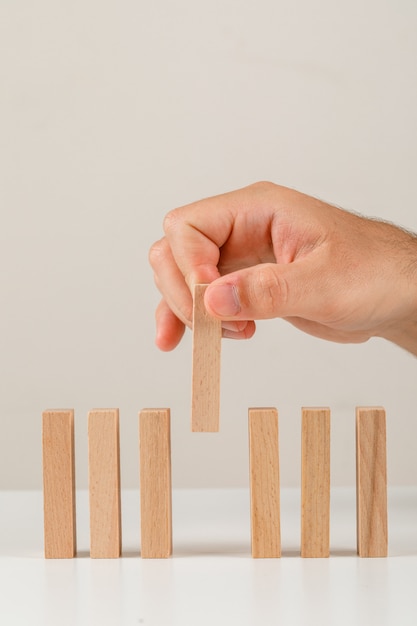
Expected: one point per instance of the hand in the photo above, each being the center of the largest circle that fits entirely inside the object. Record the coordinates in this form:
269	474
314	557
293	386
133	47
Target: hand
269	251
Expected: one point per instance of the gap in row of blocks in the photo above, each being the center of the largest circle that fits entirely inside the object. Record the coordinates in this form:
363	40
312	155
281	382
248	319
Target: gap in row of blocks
156	490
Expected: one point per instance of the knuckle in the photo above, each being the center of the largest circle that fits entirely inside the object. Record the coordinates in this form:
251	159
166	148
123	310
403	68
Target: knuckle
171	221
270	289
157	253
263	187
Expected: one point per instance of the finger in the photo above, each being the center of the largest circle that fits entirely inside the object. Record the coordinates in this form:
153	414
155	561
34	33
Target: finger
197	232
170	281
196	253
169	329
244	333
176	295
267	291
235	326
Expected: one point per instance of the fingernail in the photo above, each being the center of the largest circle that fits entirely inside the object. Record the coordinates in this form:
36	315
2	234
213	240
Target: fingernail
224	300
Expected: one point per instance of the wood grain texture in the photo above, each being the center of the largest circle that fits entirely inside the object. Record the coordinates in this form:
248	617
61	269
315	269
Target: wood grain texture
207	332
155	483
371	482
315	483
104	484
59	483
264	483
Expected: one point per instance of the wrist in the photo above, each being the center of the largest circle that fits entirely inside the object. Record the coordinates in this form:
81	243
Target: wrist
403	335
402	328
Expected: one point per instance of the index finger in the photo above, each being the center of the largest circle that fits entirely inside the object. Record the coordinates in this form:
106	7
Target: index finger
197	231
195	234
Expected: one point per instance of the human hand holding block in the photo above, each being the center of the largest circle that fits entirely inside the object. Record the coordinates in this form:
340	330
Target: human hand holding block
207	333
269	251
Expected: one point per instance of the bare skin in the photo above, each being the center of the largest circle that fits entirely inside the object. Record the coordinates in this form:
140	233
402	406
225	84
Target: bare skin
269	251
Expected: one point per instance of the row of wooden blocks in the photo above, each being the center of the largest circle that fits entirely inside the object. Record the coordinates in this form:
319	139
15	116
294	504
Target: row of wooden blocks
155	483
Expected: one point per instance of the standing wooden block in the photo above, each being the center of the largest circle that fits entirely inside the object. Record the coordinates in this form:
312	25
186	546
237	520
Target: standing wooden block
155	483
207	333
104	483
315	483
371	482
264	483
59	483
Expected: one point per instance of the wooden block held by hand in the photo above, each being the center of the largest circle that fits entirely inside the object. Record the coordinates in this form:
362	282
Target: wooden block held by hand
315	483
207	333
59	484
371	482
264	483
155	483
104	483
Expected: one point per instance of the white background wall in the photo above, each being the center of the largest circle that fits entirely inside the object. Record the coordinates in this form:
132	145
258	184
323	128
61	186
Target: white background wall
114	112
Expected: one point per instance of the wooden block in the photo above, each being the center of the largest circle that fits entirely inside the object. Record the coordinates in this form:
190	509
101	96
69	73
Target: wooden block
371	482
155	483
264	483
315	483
59	483
104	483
207	333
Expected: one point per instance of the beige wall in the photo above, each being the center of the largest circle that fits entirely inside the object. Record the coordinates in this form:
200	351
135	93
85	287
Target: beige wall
114	112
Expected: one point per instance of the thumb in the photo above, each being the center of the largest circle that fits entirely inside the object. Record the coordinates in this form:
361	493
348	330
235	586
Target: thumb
263	291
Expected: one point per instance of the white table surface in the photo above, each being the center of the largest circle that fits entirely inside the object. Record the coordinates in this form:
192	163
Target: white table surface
211	578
